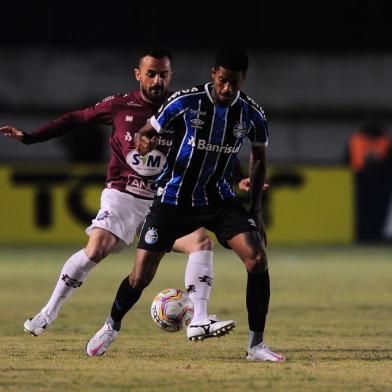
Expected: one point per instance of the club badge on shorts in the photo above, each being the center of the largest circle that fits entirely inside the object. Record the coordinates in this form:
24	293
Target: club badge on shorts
151	236
102	215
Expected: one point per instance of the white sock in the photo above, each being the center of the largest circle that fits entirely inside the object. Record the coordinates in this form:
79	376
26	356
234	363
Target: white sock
74	272
198	282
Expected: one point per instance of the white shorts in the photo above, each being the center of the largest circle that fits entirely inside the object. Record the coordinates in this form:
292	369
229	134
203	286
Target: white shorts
122	214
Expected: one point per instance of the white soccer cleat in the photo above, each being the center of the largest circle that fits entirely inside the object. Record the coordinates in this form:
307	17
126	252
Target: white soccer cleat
262	353
210	327
37	324
99	343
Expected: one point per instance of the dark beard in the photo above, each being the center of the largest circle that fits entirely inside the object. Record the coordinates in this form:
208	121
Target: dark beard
151	96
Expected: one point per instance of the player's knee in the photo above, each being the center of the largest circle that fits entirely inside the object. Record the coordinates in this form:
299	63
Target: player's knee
99	247
257	264
201	241
96	253
205	244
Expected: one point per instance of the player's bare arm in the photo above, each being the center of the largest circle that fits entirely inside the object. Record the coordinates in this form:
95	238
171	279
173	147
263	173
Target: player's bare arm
146	139
12	132
242	180
257	172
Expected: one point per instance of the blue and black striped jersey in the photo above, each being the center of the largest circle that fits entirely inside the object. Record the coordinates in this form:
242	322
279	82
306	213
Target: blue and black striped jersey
206	140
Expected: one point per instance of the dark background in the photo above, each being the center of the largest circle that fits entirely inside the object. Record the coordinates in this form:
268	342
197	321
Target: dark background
320	70
272	25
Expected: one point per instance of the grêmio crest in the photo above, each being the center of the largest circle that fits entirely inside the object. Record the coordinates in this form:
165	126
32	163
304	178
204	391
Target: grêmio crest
240	130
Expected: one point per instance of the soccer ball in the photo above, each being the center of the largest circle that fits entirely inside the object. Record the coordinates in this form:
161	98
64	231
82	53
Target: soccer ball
172	310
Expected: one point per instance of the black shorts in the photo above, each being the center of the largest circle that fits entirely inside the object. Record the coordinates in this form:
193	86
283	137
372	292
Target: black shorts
165	223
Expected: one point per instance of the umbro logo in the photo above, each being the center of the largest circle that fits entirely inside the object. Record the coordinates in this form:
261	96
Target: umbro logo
129	118
252	222
197	123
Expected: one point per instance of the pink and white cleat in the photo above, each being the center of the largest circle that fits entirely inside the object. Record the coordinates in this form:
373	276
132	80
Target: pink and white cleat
99	343
262	353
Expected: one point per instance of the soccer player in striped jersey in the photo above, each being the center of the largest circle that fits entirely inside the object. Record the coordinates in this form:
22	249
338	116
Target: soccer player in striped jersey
129	191
207	125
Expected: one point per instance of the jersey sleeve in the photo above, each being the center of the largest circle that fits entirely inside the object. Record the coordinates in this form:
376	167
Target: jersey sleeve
258	134
100	113
171	109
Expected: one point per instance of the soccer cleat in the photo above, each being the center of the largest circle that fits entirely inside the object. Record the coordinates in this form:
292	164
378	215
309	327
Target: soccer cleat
99	343
210	327
37	324
262	353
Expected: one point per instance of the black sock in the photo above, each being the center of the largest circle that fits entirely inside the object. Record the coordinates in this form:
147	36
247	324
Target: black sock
257	300
126	297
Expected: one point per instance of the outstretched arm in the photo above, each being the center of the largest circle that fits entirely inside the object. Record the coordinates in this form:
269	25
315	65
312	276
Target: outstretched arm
59	127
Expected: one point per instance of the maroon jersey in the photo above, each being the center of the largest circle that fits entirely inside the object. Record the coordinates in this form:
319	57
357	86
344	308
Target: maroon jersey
126	113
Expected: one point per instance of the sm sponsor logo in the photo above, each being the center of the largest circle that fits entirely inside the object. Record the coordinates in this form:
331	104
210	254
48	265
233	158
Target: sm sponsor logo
148	165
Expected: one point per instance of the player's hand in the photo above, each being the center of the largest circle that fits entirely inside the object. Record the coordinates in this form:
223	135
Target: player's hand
244	185
12	132
144	144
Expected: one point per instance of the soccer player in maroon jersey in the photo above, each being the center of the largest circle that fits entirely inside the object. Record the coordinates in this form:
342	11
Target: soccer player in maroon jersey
128	193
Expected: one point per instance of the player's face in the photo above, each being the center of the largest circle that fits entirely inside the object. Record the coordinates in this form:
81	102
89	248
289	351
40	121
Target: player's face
226	85
154	76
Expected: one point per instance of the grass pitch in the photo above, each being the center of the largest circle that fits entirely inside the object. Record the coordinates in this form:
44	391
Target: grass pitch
330	314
